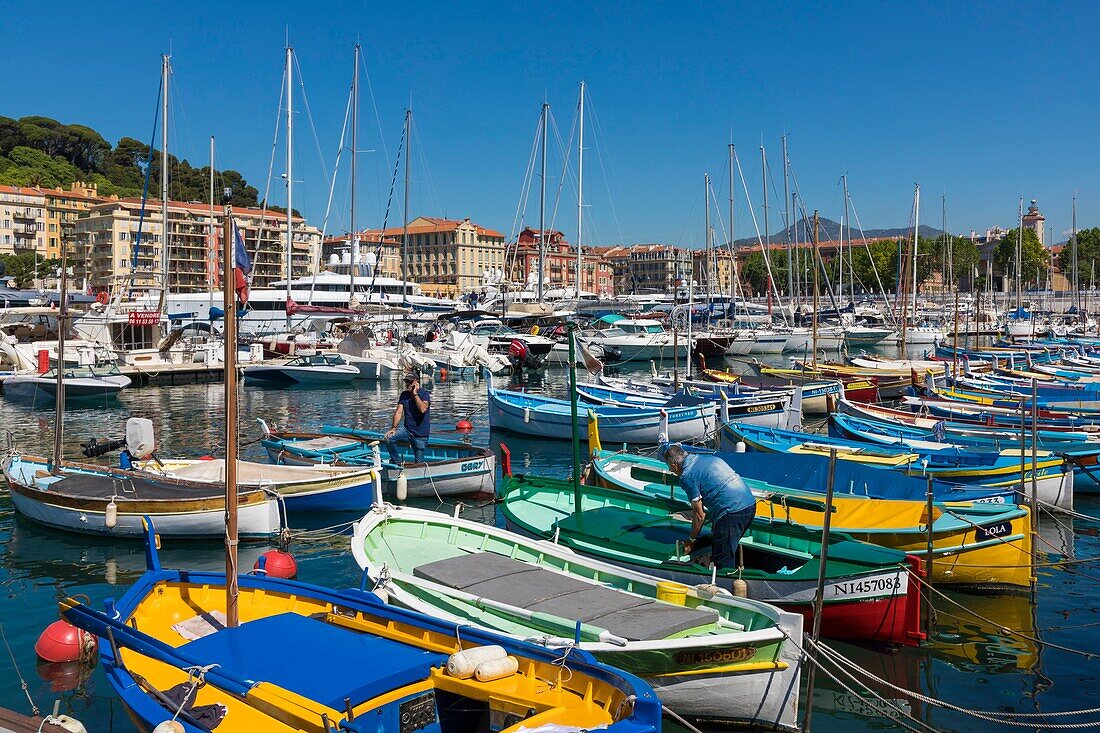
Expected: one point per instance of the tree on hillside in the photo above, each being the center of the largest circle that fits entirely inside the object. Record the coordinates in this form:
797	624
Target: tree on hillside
25	265
1036	259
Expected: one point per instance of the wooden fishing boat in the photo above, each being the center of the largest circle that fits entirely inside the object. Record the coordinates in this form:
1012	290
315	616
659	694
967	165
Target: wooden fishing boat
450	468
301	488
77	497
891	384
1046	432
983	546
532	414
868	597
708	655
856	388
773	409
994	469
306	658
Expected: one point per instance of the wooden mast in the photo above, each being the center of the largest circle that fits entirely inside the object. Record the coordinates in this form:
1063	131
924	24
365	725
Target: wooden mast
230	360
59	396
817	264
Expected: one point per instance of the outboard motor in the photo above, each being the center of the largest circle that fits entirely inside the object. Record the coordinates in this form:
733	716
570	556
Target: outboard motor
138	444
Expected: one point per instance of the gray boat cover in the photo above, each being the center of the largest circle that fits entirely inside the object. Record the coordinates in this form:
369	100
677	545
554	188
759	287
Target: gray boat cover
519	584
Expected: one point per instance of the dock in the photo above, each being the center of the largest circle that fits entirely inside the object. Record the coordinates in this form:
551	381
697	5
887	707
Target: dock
13	722
167	374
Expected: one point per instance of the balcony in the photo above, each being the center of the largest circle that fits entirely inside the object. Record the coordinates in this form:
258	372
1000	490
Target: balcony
26	230
24	214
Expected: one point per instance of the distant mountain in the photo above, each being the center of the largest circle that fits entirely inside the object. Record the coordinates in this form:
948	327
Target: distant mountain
829	230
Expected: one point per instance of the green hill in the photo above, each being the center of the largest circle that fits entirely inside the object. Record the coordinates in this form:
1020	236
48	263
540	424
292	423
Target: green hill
39	151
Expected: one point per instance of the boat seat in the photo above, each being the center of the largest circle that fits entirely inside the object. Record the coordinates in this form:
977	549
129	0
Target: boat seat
324	443
522	585
314	659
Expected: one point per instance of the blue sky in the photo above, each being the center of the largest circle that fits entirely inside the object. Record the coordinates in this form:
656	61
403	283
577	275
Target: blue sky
984	102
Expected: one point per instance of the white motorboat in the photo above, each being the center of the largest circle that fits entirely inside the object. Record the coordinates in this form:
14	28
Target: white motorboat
306	370
765	341
635	339
80	383
371	359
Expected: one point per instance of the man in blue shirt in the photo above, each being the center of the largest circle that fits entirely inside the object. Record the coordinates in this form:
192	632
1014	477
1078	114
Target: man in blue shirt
712	486
412	422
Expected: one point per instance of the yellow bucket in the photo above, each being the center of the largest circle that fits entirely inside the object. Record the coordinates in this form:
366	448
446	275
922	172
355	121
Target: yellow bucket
670	592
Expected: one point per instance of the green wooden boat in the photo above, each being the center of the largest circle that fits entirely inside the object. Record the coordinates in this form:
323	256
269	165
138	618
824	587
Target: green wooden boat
868	595
710	656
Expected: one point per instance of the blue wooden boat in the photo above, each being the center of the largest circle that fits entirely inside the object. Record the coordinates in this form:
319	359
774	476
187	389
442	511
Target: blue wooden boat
450	468
1001	470
547	417
307	658
772	409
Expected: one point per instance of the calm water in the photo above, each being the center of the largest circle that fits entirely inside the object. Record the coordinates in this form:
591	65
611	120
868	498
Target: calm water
968	661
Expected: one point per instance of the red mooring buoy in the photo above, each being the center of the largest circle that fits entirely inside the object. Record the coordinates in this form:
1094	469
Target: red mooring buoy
277	564
464	426
63	642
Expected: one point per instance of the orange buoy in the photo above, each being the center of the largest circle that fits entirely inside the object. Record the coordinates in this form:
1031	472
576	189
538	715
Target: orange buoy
277	564
442	373
63	642
464	426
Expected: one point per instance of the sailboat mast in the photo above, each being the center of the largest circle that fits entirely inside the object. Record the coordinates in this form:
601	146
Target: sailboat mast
211	251
405	217
848	224
230	383
1076	273
787	223
580	185
289	173
706	234
542	202
764	185
1019	255
59	396
916	239
353	270
733	257
164	73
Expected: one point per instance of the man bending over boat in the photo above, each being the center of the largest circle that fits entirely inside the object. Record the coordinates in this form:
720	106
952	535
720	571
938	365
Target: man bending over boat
712	486
412	422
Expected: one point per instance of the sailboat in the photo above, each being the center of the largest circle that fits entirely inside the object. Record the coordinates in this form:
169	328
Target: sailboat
257	653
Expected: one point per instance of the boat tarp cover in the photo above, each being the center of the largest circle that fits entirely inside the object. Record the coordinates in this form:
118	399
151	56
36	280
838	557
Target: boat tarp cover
519	584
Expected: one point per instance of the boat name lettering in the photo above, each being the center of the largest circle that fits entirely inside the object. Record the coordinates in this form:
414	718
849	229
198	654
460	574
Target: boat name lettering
991	500
858	385
472	466
870	585
720	656
997	530
763	408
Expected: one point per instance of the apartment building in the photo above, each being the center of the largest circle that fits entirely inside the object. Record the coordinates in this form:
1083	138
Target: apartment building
22	220
560	265
447	257
63	208
713	273
106	249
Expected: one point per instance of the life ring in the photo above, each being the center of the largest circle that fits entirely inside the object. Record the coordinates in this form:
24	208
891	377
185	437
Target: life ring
102	297
535	330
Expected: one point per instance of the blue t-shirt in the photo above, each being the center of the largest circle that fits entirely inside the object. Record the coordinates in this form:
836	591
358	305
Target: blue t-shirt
419	424
712	479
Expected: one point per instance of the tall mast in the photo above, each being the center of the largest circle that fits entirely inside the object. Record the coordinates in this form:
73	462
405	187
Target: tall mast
948	269
289	173
1019	255
230	380
706	234
787	223
580	186
405	217
542	202
354	269
916	239
733	257
764	185
848	224
1076	274
211	251
164	69
59	396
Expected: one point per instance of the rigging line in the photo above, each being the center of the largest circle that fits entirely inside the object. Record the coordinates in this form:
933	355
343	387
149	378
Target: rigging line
374	106
270	171
309	116
565	150
386	219
328	204
144	198
600	140
424	167
759	239
521	204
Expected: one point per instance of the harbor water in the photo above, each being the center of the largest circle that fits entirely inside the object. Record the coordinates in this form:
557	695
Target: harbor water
972	659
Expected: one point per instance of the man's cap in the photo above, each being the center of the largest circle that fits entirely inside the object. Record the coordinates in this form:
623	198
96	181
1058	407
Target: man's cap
410	376
662	448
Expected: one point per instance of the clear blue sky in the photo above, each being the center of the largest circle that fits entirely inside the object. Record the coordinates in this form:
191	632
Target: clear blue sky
987	102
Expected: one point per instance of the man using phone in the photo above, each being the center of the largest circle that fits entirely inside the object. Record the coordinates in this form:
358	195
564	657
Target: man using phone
412	421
